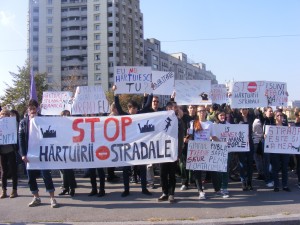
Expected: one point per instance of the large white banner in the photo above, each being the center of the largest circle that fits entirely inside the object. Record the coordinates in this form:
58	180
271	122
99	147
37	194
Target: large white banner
207	156
193	92
8	131
94	142
54	102
163	82
235	135
133	80
219	94
248	94
276	93
282	139
89	100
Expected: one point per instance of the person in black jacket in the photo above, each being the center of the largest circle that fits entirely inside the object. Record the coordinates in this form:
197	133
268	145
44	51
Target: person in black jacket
32	174
132	107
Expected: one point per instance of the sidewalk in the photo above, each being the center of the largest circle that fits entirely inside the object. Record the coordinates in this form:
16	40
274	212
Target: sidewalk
256	207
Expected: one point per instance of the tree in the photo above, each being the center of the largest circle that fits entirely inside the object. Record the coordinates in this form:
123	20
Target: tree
17	95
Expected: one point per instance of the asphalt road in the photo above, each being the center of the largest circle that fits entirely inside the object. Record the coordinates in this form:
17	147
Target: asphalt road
261	206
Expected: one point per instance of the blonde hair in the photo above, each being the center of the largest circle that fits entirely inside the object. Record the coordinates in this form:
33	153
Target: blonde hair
5	112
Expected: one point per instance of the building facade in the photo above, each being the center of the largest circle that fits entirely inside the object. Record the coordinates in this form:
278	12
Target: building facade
78	42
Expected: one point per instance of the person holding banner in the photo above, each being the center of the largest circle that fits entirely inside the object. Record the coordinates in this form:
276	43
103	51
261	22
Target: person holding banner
297	124
132	107
69	182
280	161
246	158
32	174
201	129
8	163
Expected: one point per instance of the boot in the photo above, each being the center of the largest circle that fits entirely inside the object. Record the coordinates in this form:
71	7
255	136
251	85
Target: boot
14	194
3	194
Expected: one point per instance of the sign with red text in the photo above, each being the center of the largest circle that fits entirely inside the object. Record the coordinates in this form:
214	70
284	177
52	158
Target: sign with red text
133	79
89	100
282	139
235	135
54	102
193	92
163	82
276	93
96	142
8	131
219	94
248	94
207	156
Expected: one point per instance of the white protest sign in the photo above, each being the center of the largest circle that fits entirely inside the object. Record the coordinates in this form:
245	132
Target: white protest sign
133	79
194	92
235	135
8	131
54	102
89	100
96	142
276	93
248	94
282	139
163	82
207	156
219	94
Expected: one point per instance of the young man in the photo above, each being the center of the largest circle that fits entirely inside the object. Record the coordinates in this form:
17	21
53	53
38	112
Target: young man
32	174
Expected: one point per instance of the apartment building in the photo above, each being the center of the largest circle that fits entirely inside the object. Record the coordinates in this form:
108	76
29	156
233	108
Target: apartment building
78	42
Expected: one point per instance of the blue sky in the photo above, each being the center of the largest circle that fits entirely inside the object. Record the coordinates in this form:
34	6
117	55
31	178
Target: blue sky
242	40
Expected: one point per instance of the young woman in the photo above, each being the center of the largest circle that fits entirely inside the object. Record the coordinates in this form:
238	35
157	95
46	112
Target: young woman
201	130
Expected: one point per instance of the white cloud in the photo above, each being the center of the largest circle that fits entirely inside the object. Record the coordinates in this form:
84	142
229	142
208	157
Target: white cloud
6	18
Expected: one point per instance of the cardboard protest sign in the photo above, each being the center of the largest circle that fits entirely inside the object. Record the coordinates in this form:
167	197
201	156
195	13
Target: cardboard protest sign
282	139
95	142
219	94
207	155
54	102
89	100
193	92
8	131
276	93
163	82
248	94
235	135
133	79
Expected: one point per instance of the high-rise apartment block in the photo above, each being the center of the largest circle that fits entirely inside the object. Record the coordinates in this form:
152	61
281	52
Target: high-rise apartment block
78	42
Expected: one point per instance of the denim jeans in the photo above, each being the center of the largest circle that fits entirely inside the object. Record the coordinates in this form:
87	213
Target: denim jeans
280	161
267	167
46	175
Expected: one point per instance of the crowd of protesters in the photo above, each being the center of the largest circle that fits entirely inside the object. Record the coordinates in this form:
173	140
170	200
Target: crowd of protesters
194	123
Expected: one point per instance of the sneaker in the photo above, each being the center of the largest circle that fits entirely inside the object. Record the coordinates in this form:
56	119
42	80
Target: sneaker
35	202
225	193
146	192
218	193
53	203
125	194
183	188
163	198
171	199
202	195
270	184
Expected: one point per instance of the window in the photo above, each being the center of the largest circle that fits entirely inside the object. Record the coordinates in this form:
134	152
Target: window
97	37
97	27
49	30
49	40
35	38
49	20
96	7
35	29
97	76
49	59
155	66
49	11
98	66
36	10
35	48
155	58
49	49
49	69
97	57
36	19
97	47
49	2
97	17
